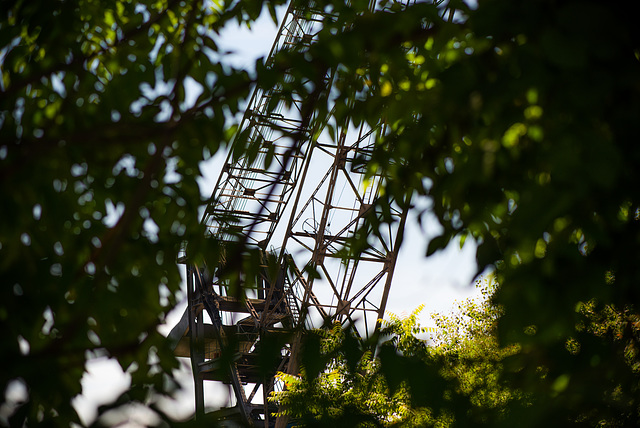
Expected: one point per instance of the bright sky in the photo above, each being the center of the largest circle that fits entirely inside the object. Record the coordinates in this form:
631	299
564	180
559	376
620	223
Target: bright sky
435	282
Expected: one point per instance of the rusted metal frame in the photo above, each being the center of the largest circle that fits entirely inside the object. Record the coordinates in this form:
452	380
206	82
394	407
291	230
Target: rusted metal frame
350	269
331	246
272	220
299	277
391	244
200	288
288	126
362	259
293	307
239	216
326	209
356	192
365	309
252	240
279	146
274	47
355	145
318	305
297	103
389	247
325	149
362	137
205	289
376	252
253	198
308	150
265	214
285	190
315	300
234	376
319	244
273	121
345	229
265	201
258	170
299	25
311	235
283	29
307	118
293	220
241	398
251	220
196	343
366	288
330	281
252	311
302	243
374	255
253	392
267	317
335	306
310	200
269	112
222	182
369	286
332	182
238	388
235	189
232	201
265	183
197	293
352	209
306	288
392	263
263	316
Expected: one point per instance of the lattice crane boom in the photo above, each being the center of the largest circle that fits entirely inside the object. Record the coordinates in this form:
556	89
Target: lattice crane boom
252	194
303	194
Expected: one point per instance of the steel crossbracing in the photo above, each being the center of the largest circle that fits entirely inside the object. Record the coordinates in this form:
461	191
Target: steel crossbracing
300	196
253	195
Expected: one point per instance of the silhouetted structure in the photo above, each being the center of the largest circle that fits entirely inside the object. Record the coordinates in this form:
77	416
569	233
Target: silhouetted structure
308	195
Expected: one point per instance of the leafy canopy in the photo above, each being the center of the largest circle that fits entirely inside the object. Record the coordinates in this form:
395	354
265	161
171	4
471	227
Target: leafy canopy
100	148
517	119
461	359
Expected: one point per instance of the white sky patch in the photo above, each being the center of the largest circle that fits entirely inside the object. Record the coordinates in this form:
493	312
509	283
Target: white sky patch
15	395
102	382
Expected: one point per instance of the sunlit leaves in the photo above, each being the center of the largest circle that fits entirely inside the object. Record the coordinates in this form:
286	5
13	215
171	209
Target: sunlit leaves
517	119
453	378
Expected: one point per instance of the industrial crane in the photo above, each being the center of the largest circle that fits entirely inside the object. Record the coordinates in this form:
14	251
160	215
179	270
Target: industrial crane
298	198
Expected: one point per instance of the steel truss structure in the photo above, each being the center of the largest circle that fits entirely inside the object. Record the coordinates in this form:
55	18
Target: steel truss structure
299	197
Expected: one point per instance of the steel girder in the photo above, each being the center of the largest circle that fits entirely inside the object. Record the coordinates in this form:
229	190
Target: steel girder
306	190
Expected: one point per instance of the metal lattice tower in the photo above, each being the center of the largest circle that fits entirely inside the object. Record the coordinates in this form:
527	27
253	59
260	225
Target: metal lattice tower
300	197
